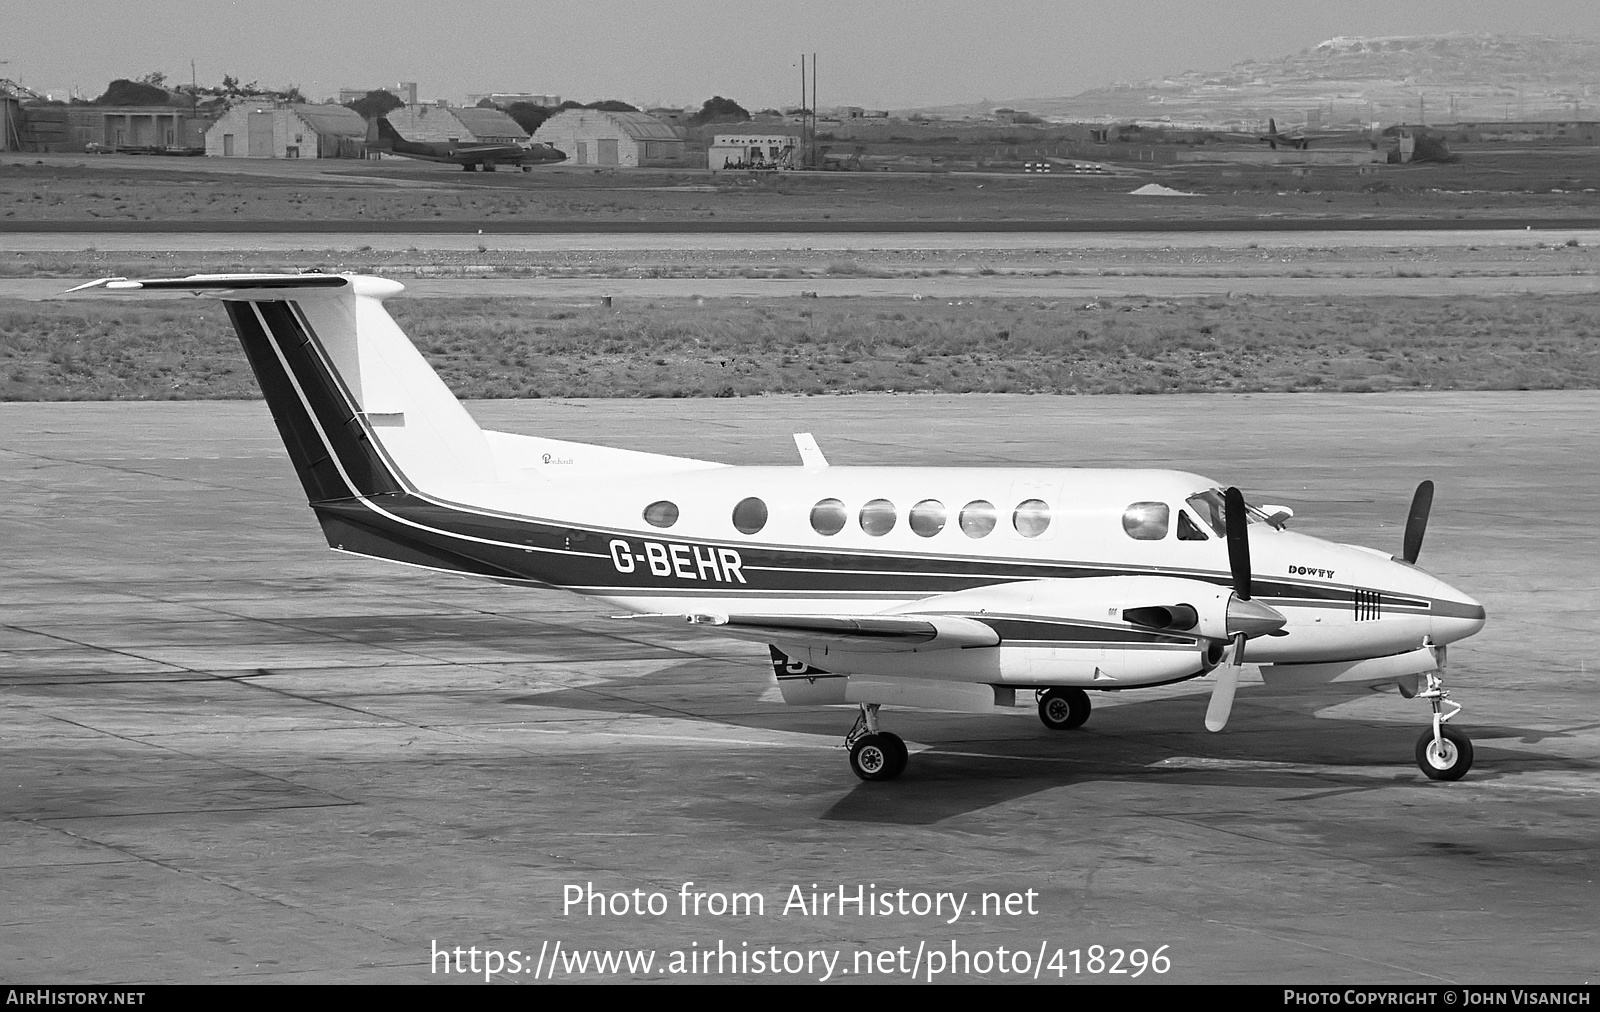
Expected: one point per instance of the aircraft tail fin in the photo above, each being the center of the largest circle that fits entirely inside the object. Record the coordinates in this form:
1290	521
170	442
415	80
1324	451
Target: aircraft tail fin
381	134
359	409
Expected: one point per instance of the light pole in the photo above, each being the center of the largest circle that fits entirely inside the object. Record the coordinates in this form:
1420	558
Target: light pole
5	116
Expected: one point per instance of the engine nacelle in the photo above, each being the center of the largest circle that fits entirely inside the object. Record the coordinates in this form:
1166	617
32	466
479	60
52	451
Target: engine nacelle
1164	603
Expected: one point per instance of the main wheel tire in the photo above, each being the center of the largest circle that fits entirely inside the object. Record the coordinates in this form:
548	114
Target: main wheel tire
1064	709
1449	759
878	756
902	755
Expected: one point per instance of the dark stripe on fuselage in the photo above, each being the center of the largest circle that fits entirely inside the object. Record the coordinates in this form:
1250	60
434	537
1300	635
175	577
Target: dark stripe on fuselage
347	535
579	559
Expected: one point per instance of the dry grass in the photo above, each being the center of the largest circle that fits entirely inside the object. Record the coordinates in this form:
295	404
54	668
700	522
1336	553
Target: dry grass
681	348
117	189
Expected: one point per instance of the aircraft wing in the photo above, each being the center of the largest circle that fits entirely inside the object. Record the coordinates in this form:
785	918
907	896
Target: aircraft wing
873	633
424	156
1113	612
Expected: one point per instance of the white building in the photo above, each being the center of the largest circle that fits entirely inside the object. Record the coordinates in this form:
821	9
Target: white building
754	151
250	130
622	139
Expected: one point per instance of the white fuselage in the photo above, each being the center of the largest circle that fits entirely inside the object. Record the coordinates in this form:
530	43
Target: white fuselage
1058	551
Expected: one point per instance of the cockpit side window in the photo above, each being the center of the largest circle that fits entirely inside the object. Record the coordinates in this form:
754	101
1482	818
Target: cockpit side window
1188	530
1146	521
1208	507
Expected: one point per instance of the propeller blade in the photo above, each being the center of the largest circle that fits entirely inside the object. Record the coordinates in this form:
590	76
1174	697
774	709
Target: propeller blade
1234	522
1227	675
1417	521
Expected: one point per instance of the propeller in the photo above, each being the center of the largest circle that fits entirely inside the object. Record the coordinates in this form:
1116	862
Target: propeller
1234	523
1417	521
1246	618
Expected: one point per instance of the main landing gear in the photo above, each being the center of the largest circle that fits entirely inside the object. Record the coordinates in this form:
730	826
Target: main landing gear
874	754
1442	753
1063	709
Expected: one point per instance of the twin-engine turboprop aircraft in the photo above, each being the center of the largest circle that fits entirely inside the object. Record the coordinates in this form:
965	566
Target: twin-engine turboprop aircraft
382	136
950	588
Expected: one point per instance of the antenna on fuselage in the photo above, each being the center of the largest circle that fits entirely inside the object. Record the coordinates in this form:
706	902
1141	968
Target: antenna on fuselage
810	452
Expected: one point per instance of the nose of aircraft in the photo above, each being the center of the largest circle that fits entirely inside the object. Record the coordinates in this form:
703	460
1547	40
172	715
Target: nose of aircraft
1454	615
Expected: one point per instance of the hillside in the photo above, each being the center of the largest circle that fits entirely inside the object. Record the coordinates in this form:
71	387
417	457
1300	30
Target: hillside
1343	81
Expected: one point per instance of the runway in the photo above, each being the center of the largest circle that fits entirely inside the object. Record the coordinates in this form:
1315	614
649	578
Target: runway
232	755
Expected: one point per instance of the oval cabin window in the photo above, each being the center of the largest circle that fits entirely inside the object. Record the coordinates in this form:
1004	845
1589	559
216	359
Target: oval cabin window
1031	518
750	515
878	517
828	517
661	514
977	518
927	518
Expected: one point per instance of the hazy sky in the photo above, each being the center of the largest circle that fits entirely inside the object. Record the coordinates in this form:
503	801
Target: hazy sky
876	53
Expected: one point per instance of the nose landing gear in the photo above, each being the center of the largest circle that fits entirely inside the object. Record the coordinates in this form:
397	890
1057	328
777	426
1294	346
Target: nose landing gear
1447	757
1442	753
874	754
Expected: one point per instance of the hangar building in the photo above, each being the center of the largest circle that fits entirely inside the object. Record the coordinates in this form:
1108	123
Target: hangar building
622	139
42	126
288	131
153	128
448	123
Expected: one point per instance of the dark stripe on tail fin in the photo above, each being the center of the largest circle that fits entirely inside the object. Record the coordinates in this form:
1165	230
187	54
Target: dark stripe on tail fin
326	439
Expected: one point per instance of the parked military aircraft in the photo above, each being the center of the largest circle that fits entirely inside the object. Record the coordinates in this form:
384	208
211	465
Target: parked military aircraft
384	137
1300	140
950	588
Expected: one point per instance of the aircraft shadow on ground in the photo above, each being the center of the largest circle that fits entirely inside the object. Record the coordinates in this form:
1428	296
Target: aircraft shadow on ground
975	762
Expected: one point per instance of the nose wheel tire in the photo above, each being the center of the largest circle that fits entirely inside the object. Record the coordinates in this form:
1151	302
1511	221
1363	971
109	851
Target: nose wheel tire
880	756
1448	758
1063	709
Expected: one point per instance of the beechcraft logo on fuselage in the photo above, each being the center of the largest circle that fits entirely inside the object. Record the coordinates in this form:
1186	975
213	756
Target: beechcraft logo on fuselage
681	562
